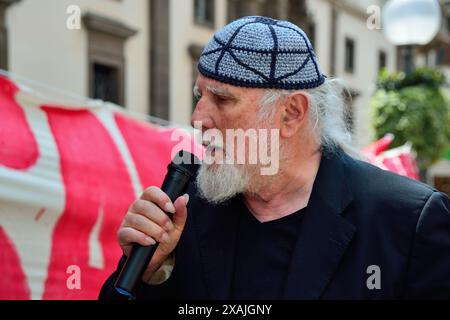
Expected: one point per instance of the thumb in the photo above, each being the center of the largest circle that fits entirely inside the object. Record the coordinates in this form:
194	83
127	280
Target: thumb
180	216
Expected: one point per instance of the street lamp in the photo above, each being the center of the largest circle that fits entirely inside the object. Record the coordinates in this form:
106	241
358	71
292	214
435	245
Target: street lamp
409	23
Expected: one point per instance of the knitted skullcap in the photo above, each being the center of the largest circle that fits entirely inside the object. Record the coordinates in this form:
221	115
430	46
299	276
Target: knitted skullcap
261	52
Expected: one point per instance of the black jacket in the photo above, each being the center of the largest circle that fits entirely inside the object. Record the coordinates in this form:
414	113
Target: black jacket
359	218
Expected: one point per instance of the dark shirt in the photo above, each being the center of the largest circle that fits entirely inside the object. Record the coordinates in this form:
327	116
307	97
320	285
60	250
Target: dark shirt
263	256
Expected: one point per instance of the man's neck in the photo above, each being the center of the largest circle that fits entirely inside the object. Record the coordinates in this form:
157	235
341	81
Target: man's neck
287	192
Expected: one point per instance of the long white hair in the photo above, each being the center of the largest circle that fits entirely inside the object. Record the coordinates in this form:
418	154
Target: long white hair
327	113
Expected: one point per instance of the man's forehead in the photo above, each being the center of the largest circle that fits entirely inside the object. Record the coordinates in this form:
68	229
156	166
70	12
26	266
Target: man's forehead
205	83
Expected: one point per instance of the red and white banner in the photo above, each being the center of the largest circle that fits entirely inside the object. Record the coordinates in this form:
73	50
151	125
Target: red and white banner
400	160
67	178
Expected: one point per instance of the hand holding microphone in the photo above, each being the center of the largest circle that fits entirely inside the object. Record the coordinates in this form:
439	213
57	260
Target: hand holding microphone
148	235
147	224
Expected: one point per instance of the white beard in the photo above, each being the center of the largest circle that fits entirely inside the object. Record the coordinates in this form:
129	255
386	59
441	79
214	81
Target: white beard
221	183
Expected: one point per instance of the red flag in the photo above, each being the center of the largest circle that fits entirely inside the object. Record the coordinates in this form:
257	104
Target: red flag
400	160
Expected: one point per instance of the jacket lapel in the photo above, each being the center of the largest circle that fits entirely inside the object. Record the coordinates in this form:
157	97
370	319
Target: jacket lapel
325	234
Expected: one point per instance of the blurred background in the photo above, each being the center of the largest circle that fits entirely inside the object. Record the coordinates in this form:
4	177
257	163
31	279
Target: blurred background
140	56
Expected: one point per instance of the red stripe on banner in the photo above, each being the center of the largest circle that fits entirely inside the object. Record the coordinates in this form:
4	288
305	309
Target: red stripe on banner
18	146
13	282
152	149
96	181
149	147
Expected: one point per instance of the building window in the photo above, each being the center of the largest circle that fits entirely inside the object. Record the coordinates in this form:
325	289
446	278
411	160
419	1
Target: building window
106	41
382	60
349	55
106	83
195	51
312	34
440	56
4	4
3	40
194	75
204	12
239	8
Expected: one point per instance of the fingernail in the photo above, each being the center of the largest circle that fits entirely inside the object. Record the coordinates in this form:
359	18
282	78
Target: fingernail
170	208
165	238
187	198
149	240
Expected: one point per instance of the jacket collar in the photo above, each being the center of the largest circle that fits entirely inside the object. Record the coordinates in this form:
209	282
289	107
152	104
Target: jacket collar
325	234
323	240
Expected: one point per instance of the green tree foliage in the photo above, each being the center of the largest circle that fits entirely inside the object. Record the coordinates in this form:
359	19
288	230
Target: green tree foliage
415	109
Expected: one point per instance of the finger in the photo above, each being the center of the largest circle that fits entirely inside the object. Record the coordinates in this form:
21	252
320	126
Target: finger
127	236
160	198
152	212
179	219
144	225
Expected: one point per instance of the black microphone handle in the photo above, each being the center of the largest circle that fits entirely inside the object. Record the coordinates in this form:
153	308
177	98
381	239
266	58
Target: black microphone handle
174	186
134	269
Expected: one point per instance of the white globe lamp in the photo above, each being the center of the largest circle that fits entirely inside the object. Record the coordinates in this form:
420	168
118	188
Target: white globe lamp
411	23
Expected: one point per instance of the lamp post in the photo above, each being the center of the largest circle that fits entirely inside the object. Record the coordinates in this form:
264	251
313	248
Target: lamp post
409	23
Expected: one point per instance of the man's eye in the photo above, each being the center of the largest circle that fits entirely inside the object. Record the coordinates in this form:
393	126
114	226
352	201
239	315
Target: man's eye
221	99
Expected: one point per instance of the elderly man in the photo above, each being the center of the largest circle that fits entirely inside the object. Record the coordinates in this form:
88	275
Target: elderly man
323	226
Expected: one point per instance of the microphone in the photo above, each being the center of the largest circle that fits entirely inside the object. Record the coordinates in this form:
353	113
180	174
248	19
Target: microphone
180	171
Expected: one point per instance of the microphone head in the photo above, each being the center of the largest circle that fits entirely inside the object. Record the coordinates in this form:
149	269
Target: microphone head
186	162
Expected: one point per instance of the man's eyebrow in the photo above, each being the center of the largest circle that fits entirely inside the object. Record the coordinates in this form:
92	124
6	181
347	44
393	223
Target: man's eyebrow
219	91
214	90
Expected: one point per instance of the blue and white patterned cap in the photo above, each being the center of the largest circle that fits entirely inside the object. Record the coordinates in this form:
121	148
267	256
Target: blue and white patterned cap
261	52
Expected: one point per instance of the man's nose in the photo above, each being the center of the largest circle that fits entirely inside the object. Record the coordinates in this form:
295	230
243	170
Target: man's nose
202	114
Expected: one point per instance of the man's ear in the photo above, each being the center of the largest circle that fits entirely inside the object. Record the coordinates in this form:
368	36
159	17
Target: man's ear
295	110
